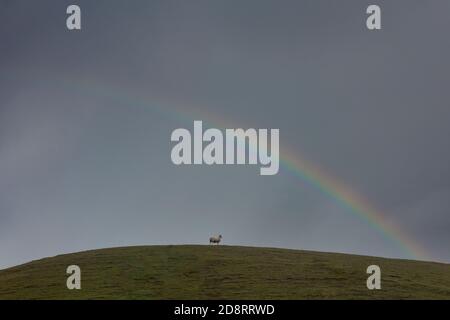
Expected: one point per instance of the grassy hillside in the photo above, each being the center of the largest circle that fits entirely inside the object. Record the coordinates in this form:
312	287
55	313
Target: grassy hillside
228	272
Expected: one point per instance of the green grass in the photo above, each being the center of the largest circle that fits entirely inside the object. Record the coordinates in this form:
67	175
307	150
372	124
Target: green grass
223	272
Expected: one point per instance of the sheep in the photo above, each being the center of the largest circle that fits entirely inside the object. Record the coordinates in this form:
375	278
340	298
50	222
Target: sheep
215	240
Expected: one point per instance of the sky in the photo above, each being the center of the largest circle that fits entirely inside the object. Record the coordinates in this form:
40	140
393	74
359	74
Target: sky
86	118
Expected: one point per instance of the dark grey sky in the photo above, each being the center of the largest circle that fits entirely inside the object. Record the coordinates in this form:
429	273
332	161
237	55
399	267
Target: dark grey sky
86	118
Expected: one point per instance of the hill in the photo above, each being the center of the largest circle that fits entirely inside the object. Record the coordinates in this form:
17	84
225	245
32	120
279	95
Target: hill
222	272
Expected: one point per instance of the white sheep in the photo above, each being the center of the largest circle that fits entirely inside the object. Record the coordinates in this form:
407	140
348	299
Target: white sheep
215	240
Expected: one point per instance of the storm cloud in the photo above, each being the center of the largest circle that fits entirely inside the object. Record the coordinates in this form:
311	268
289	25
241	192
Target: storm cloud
86	118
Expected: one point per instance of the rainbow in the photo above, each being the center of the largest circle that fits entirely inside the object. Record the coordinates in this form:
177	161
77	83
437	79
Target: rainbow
352	202
297	165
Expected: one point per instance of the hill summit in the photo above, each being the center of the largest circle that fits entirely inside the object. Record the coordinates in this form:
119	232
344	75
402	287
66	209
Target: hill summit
222	272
